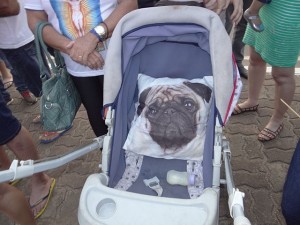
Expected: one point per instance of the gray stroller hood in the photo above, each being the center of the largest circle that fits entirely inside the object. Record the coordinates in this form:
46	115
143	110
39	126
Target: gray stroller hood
219	49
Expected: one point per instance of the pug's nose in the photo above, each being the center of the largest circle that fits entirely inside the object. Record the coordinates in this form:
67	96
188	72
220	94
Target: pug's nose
170	111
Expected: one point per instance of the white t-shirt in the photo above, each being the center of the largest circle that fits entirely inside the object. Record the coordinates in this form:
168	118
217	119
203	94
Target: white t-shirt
14	30
74	18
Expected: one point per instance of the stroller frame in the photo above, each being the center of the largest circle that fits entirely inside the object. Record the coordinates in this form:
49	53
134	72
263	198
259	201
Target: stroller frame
109	201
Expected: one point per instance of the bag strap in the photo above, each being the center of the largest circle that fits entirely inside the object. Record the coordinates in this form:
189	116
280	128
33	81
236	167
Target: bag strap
43	54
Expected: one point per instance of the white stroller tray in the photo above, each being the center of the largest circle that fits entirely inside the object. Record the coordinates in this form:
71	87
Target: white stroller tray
100	204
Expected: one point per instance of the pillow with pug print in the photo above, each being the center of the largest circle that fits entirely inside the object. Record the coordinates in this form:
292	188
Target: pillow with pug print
171	117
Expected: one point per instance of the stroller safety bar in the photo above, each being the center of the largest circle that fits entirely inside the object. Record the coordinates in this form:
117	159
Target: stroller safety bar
29	167
217	161
109	119
235	201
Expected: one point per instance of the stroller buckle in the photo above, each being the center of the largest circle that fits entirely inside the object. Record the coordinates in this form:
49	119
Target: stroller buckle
154	184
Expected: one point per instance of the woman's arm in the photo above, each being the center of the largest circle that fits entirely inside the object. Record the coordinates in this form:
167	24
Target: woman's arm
237	11
50	35
83	46
123	7
9	8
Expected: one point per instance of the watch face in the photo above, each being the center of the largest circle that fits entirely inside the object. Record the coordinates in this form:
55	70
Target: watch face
100	30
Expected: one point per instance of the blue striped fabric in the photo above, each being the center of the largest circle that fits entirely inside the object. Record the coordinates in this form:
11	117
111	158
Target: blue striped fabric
279	43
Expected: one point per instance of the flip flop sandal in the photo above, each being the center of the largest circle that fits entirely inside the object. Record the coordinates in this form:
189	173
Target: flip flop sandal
238	110
48	137
45	198
251	19
269	135
14	182
37	119
8	84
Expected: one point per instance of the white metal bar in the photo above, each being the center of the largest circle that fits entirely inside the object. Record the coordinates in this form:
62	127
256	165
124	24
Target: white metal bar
30	167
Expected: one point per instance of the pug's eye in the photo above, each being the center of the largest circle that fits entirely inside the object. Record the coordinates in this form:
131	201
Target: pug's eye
152	110
188	104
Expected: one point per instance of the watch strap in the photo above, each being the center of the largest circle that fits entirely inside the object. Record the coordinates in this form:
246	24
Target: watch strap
93	31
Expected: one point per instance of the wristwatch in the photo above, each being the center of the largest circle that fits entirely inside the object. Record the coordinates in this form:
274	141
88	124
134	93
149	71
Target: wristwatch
100	31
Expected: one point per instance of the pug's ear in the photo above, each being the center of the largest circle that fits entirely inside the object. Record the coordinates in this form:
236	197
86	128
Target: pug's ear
142	99
200	89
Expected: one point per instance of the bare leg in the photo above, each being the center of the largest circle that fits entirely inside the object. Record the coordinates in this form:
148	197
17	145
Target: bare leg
257	72
4	160
284	89
15	205
6	75
23	147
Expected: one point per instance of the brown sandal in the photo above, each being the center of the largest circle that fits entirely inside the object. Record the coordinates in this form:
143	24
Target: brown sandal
238	110
269	135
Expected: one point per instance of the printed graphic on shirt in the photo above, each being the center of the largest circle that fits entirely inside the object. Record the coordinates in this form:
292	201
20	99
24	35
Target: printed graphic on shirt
76	17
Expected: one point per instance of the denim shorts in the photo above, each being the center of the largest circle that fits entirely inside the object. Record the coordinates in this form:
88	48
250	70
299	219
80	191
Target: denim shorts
9	125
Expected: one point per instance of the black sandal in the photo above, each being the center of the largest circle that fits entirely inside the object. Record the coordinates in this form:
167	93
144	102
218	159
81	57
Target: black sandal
238	110
269	135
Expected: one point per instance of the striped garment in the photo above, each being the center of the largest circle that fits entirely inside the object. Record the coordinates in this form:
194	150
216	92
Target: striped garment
279	43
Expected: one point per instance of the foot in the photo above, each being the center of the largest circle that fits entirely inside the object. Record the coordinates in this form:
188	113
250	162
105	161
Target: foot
268	134
238	109
40	197
48	137
28	97
254	21
14	183
7	84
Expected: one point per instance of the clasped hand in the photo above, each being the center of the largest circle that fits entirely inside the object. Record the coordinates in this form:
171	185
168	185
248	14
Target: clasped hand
83	51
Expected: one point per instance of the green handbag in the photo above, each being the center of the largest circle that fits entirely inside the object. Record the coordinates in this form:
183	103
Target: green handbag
60	100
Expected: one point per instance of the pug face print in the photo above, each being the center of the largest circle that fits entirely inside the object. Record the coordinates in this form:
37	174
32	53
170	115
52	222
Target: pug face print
171	120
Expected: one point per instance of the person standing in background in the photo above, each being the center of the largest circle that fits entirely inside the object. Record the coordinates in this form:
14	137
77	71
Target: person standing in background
80	31
17	44
238	46
279	46
12	201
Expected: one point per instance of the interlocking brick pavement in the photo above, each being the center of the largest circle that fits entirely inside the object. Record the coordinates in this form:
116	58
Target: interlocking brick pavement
259	169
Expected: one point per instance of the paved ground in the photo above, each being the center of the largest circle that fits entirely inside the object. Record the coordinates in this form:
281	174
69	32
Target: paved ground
259	169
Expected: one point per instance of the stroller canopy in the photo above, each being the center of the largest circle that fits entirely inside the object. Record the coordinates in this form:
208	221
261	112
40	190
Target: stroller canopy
142	28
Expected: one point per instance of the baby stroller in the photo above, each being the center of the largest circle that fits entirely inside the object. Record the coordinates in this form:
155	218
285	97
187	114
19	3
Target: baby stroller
155	171
152	177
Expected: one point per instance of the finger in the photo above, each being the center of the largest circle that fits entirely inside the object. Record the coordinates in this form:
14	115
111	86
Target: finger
236	16
221	4
96	59
70	45
100	60
227	4
92	62
218	11
211	4
85	58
